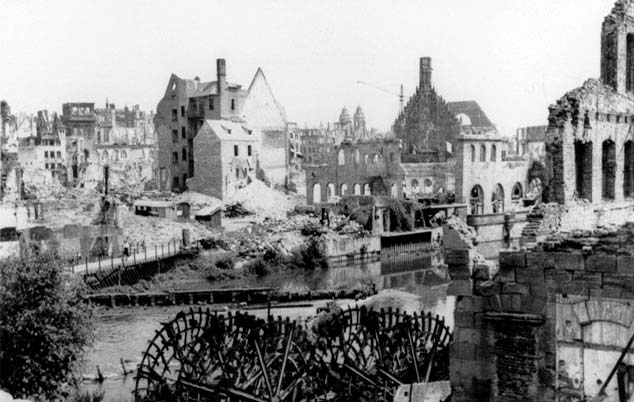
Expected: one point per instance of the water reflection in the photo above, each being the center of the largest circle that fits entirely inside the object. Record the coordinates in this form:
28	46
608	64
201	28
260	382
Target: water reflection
408	282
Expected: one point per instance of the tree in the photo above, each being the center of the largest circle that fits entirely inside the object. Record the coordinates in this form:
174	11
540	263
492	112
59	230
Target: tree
44	326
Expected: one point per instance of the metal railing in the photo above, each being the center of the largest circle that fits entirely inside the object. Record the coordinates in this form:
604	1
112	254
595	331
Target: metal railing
138	254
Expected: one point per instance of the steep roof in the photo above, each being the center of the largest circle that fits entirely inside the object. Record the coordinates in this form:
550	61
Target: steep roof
261	109
472	109
227	130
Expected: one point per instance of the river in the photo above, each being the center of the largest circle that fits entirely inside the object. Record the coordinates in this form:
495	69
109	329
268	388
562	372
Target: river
405	282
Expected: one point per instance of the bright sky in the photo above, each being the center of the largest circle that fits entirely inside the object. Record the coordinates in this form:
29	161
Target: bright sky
515	57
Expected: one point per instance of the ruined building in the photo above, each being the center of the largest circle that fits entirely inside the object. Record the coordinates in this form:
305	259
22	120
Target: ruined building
187	104
555	322
426	124
360	168
589	140
80	121
46	151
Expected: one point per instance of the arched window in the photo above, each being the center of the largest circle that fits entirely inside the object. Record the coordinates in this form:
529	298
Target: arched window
476	200
393	191
330	192
473	153
483	153
428	186
376	158
356	157
124	154
366	158
316	193
341	157
517	193
366	189
357	189
415	188
493	153
497	199
104	155
344	189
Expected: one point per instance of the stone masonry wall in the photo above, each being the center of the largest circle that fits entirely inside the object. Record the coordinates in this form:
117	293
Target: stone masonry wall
505	335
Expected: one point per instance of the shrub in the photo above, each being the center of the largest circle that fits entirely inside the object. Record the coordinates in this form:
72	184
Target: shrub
309	255
258	266
227	261
44	327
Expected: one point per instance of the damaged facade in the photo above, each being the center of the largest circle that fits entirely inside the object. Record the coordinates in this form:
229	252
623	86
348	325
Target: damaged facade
591	153
188	104
359	168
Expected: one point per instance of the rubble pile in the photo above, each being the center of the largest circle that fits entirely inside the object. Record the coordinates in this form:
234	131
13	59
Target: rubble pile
264	201
153	230
466	232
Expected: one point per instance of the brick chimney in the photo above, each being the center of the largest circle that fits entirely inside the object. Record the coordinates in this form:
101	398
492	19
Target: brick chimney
221	82
425	73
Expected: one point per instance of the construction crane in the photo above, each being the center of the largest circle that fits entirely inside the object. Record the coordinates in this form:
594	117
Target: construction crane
401	97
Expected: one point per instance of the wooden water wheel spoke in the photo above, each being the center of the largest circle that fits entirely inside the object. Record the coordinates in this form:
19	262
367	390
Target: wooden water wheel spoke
264	368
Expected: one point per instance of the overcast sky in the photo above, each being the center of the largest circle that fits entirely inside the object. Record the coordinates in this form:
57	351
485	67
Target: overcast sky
515	57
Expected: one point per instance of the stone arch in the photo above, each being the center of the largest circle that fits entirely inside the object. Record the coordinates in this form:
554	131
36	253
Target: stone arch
628	169
608	169
341	157
483	153
330	192
357	189
476	200
343	189
366	189
316	193
497	199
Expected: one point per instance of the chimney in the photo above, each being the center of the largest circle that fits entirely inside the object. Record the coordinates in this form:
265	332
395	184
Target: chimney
425	73
221	82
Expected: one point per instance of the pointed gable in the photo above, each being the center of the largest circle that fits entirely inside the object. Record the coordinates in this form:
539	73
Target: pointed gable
261	110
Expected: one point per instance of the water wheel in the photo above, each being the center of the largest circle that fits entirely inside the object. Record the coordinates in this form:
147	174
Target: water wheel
364	355
201	356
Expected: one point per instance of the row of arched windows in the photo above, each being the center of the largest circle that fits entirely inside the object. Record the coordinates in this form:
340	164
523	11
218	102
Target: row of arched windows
483	153
584	172
356	158
477	198
331	191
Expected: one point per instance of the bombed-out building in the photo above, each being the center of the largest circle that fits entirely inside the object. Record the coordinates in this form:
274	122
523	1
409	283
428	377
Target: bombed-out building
188	103
589	139
555	322
359	168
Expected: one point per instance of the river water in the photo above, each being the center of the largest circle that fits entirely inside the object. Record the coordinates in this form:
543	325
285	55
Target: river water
411	283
